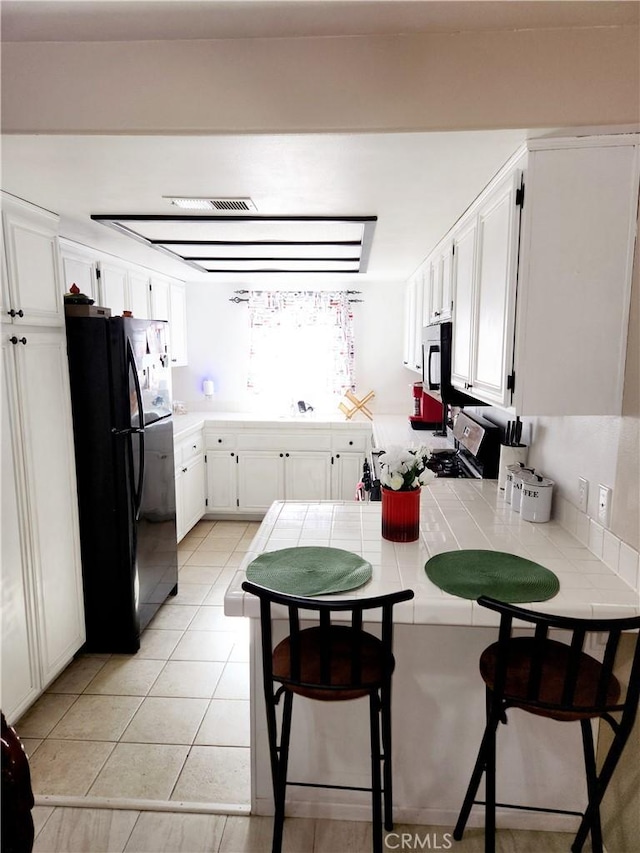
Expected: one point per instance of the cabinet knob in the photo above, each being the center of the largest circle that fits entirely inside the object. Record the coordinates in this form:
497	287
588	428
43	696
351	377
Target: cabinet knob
350	442
195	446
337	456
13	313
281	455
15	340
232	453
286	454
219	441
184	470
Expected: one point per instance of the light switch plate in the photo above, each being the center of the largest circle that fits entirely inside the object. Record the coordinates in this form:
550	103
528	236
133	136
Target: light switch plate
604	505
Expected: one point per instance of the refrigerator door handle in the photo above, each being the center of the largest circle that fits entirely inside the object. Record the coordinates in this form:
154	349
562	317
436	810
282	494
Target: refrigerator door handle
139	430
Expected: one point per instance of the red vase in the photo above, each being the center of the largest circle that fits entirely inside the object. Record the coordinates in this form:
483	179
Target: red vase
400	515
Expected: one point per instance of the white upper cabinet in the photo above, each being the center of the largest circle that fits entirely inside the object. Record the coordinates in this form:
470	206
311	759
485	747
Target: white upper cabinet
542	279
138	294
79	268
160	299
178	321
113	287
31	291
498	222
412	347
438	300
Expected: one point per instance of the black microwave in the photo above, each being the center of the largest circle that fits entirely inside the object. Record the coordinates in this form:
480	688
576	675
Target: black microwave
436	366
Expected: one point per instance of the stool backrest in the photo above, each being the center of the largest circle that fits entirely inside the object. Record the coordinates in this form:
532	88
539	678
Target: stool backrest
603	700
325	609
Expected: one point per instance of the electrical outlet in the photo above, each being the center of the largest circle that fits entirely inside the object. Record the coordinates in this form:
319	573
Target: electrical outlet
583	494
604	505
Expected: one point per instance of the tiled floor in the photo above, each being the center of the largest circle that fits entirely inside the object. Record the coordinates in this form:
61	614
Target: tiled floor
63	830
170	723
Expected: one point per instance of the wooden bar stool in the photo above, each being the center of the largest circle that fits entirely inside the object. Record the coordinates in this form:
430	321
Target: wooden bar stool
557	680
331	662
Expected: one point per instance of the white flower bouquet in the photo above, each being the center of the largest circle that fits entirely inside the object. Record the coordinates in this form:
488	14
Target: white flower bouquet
405	470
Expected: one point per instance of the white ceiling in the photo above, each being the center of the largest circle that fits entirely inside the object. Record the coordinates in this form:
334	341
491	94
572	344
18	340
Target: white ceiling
417	184
95	20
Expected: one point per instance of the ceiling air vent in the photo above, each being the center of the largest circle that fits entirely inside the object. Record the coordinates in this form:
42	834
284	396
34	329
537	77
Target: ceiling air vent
222	204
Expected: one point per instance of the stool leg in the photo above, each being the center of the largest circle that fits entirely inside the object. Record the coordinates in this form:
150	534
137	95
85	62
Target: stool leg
602	781
280	789
484	756
490	792
385	695
592	785
376	781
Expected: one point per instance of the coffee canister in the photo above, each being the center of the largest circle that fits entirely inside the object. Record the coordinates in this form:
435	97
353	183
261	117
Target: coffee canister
519	478
536	496
512	470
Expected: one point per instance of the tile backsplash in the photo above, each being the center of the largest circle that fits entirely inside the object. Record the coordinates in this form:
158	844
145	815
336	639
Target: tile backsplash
620	557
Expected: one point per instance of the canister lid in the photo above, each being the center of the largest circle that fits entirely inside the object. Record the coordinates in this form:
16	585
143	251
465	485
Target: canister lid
538	481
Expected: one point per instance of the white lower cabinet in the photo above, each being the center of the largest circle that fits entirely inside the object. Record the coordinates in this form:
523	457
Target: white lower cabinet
191	484
249	469
42	602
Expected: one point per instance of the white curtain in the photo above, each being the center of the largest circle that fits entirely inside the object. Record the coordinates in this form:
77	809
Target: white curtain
301	348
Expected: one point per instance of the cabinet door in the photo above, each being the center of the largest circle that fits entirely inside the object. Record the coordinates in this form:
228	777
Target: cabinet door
160	303
178	302
497	252
138	301
80	270
409	325
47	437
180	517
260	479
446	278
20	678
113	288
307	476
33	266
346	473
222	490
464	264
193	492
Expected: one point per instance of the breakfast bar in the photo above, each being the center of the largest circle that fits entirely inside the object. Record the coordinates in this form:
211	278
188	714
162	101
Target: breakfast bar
438	694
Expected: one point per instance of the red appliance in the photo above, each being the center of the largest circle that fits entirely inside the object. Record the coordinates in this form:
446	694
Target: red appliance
427	412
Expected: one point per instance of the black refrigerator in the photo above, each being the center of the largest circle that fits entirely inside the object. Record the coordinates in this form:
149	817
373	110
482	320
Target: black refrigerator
120	380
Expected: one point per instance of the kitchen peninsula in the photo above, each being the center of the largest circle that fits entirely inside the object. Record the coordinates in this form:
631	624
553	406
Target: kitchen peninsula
438	701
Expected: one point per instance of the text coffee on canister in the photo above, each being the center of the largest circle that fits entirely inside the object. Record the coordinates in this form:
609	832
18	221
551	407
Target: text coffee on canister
535	500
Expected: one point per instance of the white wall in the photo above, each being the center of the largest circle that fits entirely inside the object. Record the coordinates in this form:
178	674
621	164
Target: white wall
218	335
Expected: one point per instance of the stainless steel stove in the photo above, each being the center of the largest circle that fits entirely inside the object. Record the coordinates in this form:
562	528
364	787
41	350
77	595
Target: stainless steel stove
474	454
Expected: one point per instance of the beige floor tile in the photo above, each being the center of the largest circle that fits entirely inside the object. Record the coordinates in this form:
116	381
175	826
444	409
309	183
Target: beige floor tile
126	676
166	832
199	574
230	528
78	674
211	618
208	558
177	617
226	723
333	835
166	720
215	774
44	714
140	771
75	830
240	652
216	594
97	718
40	815
204	645
67	767
190	593
202	528
236	560
253	835
188	679
234	683
158	644
30	744
219	543
184	554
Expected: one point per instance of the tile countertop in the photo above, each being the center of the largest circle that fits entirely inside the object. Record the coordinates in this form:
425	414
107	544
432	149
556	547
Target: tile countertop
183	425
455	514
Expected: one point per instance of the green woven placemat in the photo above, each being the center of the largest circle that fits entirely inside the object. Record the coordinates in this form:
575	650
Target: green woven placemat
470	574
309	570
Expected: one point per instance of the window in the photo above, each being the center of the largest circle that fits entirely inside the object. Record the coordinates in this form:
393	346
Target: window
301	348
